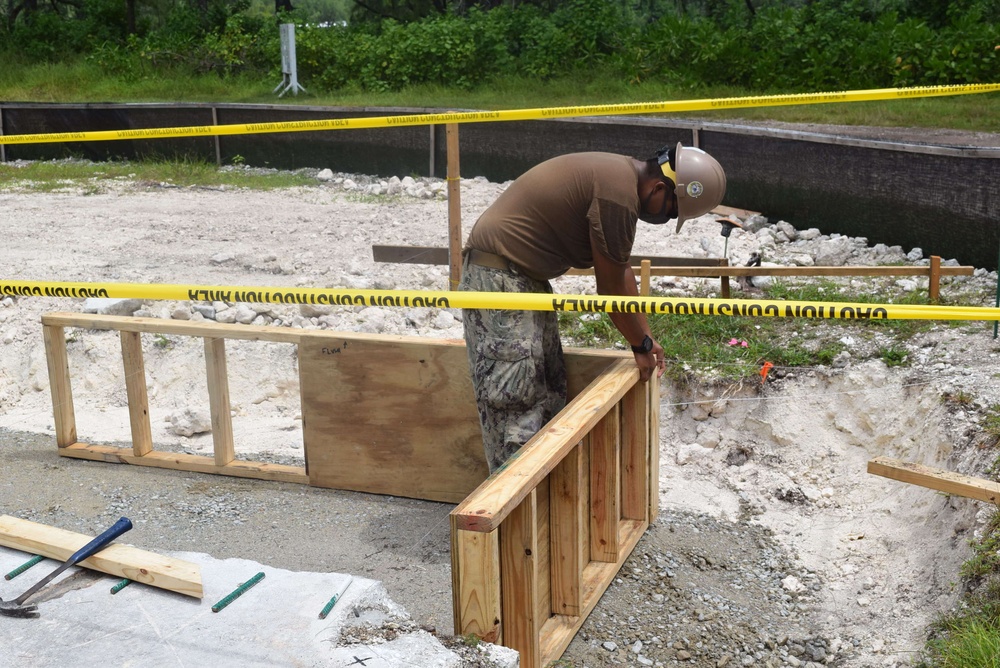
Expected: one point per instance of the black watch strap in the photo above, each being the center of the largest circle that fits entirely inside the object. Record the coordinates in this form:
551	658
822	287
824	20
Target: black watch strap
644	347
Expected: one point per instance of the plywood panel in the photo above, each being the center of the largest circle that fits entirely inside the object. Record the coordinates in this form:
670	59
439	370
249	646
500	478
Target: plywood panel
390	416
396	415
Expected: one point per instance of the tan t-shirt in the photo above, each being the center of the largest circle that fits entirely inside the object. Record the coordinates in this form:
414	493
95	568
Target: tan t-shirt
543	221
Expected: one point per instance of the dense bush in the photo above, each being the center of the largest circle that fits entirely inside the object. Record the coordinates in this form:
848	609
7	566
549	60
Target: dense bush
781	47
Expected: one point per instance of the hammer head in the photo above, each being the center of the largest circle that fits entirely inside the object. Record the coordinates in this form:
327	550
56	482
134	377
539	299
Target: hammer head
12	609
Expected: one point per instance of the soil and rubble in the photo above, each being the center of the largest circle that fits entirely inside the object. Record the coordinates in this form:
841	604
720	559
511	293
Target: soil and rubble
773	546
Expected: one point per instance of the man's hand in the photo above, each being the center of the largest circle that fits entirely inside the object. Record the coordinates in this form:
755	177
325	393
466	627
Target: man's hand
649	361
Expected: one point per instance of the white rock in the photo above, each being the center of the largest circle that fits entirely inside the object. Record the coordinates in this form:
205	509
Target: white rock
792	584
188	422
111	306
325	175
222	258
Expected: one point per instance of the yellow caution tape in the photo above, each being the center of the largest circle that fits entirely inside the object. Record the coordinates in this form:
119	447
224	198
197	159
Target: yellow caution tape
502	300
508	115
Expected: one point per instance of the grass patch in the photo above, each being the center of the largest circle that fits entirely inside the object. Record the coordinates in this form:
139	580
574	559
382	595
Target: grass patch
50	176
80	81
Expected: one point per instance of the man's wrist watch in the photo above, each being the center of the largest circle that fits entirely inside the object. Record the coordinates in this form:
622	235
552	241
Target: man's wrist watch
645	347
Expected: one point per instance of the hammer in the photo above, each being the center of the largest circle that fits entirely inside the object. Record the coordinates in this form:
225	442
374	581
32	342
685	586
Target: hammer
16	608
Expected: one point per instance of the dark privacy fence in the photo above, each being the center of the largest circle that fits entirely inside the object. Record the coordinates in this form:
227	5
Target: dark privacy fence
943	199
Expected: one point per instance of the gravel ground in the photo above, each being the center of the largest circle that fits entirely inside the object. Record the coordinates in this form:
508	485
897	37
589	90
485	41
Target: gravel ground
773	547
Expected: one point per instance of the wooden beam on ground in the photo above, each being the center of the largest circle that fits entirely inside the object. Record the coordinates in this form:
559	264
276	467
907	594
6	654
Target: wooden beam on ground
939	479
119	560
178	461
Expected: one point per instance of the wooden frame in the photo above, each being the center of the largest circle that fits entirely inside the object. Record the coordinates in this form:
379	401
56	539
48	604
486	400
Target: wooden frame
538	543
533	546
377	446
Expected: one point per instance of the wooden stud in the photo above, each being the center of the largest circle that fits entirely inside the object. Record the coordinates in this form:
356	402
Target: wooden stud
59	385
635	452
653	396
454	206
605	499
725	284
558	631
119	560
518	550
475	578
644	278
939	479
567	520
934	282
135	389
218	399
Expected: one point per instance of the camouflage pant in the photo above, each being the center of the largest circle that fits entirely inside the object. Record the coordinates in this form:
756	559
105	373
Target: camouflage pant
516	361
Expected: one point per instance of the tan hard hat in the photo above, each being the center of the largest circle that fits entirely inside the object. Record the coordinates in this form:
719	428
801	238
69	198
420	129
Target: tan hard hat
699	180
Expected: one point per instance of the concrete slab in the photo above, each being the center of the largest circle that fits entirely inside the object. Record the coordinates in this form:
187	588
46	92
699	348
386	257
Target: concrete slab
274	623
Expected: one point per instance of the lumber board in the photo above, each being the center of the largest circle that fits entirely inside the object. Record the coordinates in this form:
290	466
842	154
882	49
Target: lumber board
475	575
439	256
605	493
184	462
635	452
175	327
881	270
117	559
543	553
59	384
135	390
937	479
218	400
454	206
558	631
518	562
485	509
653	397
567	520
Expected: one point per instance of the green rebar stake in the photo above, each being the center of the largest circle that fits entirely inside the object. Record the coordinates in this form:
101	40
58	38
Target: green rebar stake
239	592
329	606
23	567
121	585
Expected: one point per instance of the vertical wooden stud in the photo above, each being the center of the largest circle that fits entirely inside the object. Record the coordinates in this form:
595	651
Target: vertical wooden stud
604	492
518	550
218	398
454	206
635	452
725	279
475	583
59	385
644	278
934	282
653	421
135	389
567	514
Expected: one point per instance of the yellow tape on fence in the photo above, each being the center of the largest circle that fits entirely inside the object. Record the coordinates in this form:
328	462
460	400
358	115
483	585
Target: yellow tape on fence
502	300
508	115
